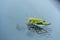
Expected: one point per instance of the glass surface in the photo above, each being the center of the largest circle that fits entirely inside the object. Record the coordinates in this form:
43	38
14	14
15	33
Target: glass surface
15	13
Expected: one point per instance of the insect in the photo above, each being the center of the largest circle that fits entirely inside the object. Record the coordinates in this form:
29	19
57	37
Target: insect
33	25
37	21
